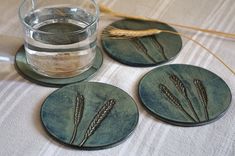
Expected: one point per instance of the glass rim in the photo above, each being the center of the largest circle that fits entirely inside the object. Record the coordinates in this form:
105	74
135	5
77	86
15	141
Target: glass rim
97	12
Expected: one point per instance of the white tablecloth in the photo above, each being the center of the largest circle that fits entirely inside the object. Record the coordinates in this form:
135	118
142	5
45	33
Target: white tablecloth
21	132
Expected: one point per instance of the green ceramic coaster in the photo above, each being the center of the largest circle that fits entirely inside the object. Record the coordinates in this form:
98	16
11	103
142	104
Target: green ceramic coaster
144	51
184	95
89	115
26	71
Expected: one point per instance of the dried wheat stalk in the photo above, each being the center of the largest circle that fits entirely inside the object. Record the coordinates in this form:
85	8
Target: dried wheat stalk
116	32
108	11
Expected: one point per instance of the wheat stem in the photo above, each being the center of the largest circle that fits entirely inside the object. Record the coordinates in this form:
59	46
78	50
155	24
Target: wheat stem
108	11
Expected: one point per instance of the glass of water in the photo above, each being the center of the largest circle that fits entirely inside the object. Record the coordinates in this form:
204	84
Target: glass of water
60	35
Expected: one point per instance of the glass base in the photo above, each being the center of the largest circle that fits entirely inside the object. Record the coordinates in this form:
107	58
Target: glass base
68	74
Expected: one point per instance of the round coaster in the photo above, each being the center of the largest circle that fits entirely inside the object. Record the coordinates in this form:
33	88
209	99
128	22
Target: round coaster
27	72
184	95
89	115
144	51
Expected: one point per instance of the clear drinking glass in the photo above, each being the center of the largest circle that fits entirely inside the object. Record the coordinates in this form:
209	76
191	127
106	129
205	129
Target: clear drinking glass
60	35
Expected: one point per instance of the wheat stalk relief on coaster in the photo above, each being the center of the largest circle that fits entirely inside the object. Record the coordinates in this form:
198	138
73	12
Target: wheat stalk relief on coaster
174	100
181	88
158	45
201	90
140	46
78	113
96	121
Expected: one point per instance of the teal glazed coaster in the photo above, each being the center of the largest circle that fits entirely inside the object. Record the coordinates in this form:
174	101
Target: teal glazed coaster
184	95
27	72
143	51
89	115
